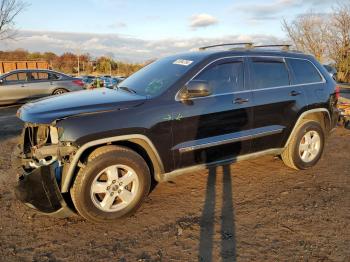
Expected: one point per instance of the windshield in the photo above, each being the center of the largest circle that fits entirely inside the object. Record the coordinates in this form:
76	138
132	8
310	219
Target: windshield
157	77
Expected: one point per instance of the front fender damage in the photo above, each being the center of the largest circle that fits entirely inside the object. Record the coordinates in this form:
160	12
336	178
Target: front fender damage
39	159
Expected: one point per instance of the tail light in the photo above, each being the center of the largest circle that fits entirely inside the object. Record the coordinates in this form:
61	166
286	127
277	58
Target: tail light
78	82
337	92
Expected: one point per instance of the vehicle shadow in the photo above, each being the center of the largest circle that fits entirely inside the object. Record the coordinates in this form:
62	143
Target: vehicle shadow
207	221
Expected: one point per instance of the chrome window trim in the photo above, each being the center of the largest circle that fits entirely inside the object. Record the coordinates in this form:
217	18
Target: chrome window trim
177	97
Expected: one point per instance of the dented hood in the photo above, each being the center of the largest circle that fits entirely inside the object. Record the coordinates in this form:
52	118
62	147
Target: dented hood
47	110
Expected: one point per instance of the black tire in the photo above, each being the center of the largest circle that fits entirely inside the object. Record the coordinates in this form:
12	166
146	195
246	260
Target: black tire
347	124
60	91
80	191
291	155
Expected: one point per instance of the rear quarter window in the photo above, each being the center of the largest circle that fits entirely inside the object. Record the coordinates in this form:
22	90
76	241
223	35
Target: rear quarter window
53	76
304	72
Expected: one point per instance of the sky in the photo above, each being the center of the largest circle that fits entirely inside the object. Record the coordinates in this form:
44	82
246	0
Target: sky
140	30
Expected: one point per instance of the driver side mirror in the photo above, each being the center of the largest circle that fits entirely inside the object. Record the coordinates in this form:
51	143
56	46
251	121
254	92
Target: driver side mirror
196	88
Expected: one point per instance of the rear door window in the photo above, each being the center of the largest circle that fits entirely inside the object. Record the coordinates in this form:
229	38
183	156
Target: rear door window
269	72
42	76
304	72
224	77
32	76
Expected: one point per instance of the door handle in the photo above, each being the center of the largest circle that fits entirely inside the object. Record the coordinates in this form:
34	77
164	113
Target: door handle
295	93
240	100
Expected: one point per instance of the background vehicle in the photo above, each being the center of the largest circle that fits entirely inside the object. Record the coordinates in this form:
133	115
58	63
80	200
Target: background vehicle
22	85
88	79
108	82
179	114
332	71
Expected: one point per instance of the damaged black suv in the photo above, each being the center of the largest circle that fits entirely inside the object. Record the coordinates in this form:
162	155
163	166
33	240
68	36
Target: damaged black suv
97	151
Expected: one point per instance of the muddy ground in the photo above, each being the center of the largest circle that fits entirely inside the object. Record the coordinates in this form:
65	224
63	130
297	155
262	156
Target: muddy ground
257	210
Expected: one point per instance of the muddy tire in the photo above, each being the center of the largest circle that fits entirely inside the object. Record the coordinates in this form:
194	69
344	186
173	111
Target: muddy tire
306	146
112	185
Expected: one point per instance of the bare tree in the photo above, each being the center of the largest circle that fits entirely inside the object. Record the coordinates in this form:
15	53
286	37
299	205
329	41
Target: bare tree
9	9
309	34
339	41
326	36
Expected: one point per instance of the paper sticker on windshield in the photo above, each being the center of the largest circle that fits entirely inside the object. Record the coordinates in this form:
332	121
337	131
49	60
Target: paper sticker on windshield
183	62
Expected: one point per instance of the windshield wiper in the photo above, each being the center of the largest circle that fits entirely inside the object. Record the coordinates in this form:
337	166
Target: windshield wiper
127	89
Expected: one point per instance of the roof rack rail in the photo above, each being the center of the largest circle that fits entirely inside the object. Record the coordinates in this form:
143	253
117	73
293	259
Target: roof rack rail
285	47
246	45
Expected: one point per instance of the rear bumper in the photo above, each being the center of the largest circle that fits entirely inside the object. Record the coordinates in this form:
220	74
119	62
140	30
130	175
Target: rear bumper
39	190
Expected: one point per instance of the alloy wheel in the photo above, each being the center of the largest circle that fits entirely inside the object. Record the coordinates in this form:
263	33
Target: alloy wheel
309	146
114	188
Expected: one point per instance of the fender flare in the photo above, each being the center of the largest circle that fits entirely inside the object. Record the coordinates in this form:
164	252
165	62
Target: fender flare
141	140
301	117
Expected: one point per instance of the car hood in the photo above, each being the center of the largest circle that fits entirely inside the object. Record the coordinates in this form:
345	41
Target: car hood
47	110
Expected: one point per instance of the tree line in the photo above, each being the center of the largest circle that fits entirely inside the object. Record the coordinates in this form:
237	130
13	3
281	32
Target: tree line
326	36
71	63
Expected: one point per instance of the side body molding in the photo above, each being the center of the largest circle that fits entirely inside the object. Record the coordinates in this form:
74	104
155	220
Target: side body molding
141	140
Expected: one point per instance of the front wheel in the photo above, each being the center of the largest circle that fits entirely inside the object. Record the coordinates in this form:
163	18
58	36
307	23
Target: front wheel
111	186
306	146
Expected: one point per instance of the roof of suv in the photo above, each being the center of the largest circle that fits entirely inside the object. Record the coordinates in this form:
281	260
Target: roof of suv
247	52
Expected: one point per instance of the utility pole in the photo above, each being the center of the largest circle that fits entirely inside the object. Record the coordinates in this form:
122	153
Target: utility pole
78	64
78	53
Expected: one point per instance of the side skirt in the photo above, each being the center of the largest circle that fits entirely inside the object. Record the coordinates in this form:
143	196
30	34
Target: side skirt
168	176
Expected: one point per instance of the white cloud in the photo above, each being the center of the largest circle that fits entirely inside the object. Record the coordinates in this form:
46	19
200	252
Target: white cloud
122	47
273	9
202	20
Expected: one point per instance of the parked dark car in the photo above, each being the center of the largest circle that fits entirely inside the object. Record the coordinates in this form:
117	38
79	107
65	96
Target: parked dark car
88	79
111	82
102	148
20	86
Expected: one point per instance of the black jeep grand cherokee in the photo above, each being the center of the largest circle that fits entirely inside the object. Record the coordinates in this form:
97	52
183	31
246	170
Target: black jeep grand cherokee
101	148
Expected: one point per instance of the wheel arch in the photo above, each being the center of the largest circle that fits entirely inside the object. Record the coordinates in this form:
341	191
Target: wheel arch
320	115
139	143
58	88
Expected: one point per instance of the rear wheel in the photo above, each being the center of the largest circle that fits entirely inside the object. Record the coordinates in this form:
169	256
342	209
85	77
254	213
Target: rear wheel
306	147
112	185
60	91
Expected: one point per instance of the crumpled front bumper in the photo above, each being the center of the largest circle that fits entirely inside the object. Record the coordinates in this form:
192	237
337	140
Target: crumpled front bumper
39	190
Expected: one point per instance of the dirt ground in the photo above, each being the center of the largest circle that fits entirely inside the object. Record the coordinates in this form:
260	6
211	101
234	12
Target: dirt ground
257	210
